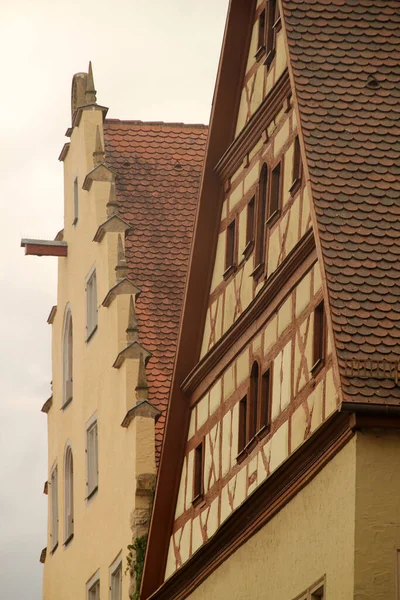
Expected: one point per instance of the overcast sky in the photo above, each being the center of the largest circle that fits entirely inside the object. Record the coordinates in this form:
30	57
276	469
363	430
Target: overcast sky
152	61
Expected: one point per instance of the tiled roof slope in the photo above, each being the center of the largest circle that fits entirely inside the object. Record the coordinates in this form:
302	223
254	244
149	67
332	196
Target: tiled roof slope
158	169
350	127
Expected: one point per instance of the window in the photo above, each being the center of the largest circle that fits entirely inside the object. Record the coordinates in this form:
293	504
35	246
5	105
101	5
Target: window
261	216
198	479
54	508
76	202
268	22
94	591
116	581
92	459
264	401
91	304
261	33
315	592
250	222
242	424
253	402
230	248
274	201
297	166
67	359
254	408
319	337
68	496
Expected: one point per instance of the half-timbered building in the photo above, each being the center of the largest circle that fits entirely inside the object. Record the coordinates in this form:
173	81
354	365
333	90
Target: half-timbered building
278	474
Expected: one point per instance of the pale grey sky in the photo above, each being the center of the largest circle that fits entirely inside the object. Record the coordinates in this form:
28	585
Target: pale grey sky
152	61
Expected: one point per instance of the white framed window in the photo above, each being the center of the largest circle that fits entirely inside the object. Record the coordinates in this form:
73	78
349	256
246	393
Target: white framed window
67	358
92	478
76	201
93	587
116	579
54	507
315	592
91	303
68	495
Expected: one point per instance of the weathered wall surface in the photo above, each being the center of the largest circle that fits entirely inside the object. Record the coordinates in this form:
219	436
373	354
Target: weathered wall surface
377	527
311	537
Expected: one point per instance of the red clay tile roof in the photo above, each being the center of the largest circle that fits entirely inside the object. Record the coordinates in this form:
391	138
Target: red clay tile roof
159	168
345	56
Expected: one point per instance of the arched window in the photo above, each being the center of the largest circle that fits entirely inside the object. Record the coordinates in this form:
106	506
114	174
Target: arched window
67	358
253	400
68	495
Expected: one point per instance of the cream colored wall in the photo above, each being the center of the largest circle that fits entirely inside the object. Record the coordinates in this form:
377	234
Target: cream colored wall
377	531
229	299
300	403
310	537
101	524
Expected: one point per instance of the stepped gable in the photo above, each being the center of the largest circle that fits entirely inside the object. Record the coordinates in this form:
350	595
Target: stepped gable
345	57
158	169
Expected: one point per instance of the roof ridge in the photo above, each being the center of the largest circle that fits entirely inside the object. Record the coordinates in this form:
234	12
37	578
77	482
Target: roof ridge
159	123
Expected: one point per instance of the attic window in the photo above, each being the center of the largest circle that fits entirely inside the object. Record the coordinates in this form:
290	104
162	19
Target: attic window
297	170
261	35
261	210
274	201
76	202
373	83
198	478
319	338
250	227
230	249
270	33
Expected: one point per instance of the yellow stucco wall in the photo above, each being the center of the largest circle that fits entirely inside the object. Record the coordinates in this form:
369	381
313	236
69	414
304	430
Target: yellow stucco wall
377	532
310	537
101	524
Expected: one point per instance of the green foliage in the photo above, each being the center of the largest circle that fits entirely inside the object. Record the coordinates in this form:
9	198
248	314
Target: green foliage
135	560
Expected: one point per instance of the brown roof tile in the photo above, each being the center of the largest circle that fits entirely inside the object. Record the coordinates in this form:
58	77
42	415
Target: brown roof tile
345	59
159	168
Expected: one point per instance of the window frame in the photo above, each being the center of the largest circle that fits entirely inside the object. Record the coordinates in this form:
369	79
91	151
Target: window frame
68	495
91	303
250	226
260	230
94	582
317	590
114	568
92	463
67	358
319	338
198	472
275	192
231	248
297	167
75	200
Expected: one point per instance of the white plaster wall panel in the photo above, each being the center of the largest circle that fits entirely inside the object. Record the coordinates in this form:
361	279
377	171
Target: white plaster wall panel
229	382
316	405
236	196
241	488
171	562
185	542
224	212
285	316
235	428
253	47
215	396
229	306
212	521
281	59
331	398
251	178
252	474
219	265
276	387
237	173
257	342
192	424
211	459
286	376
279	447
274	248
189	480
270	334
206	334
256	149
202	411
292	236
281	138
264	460
225	504
303	351
298	427
197	538
305	213
270	80
241	122
226	443
303	294
317	278
180	504
243	367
